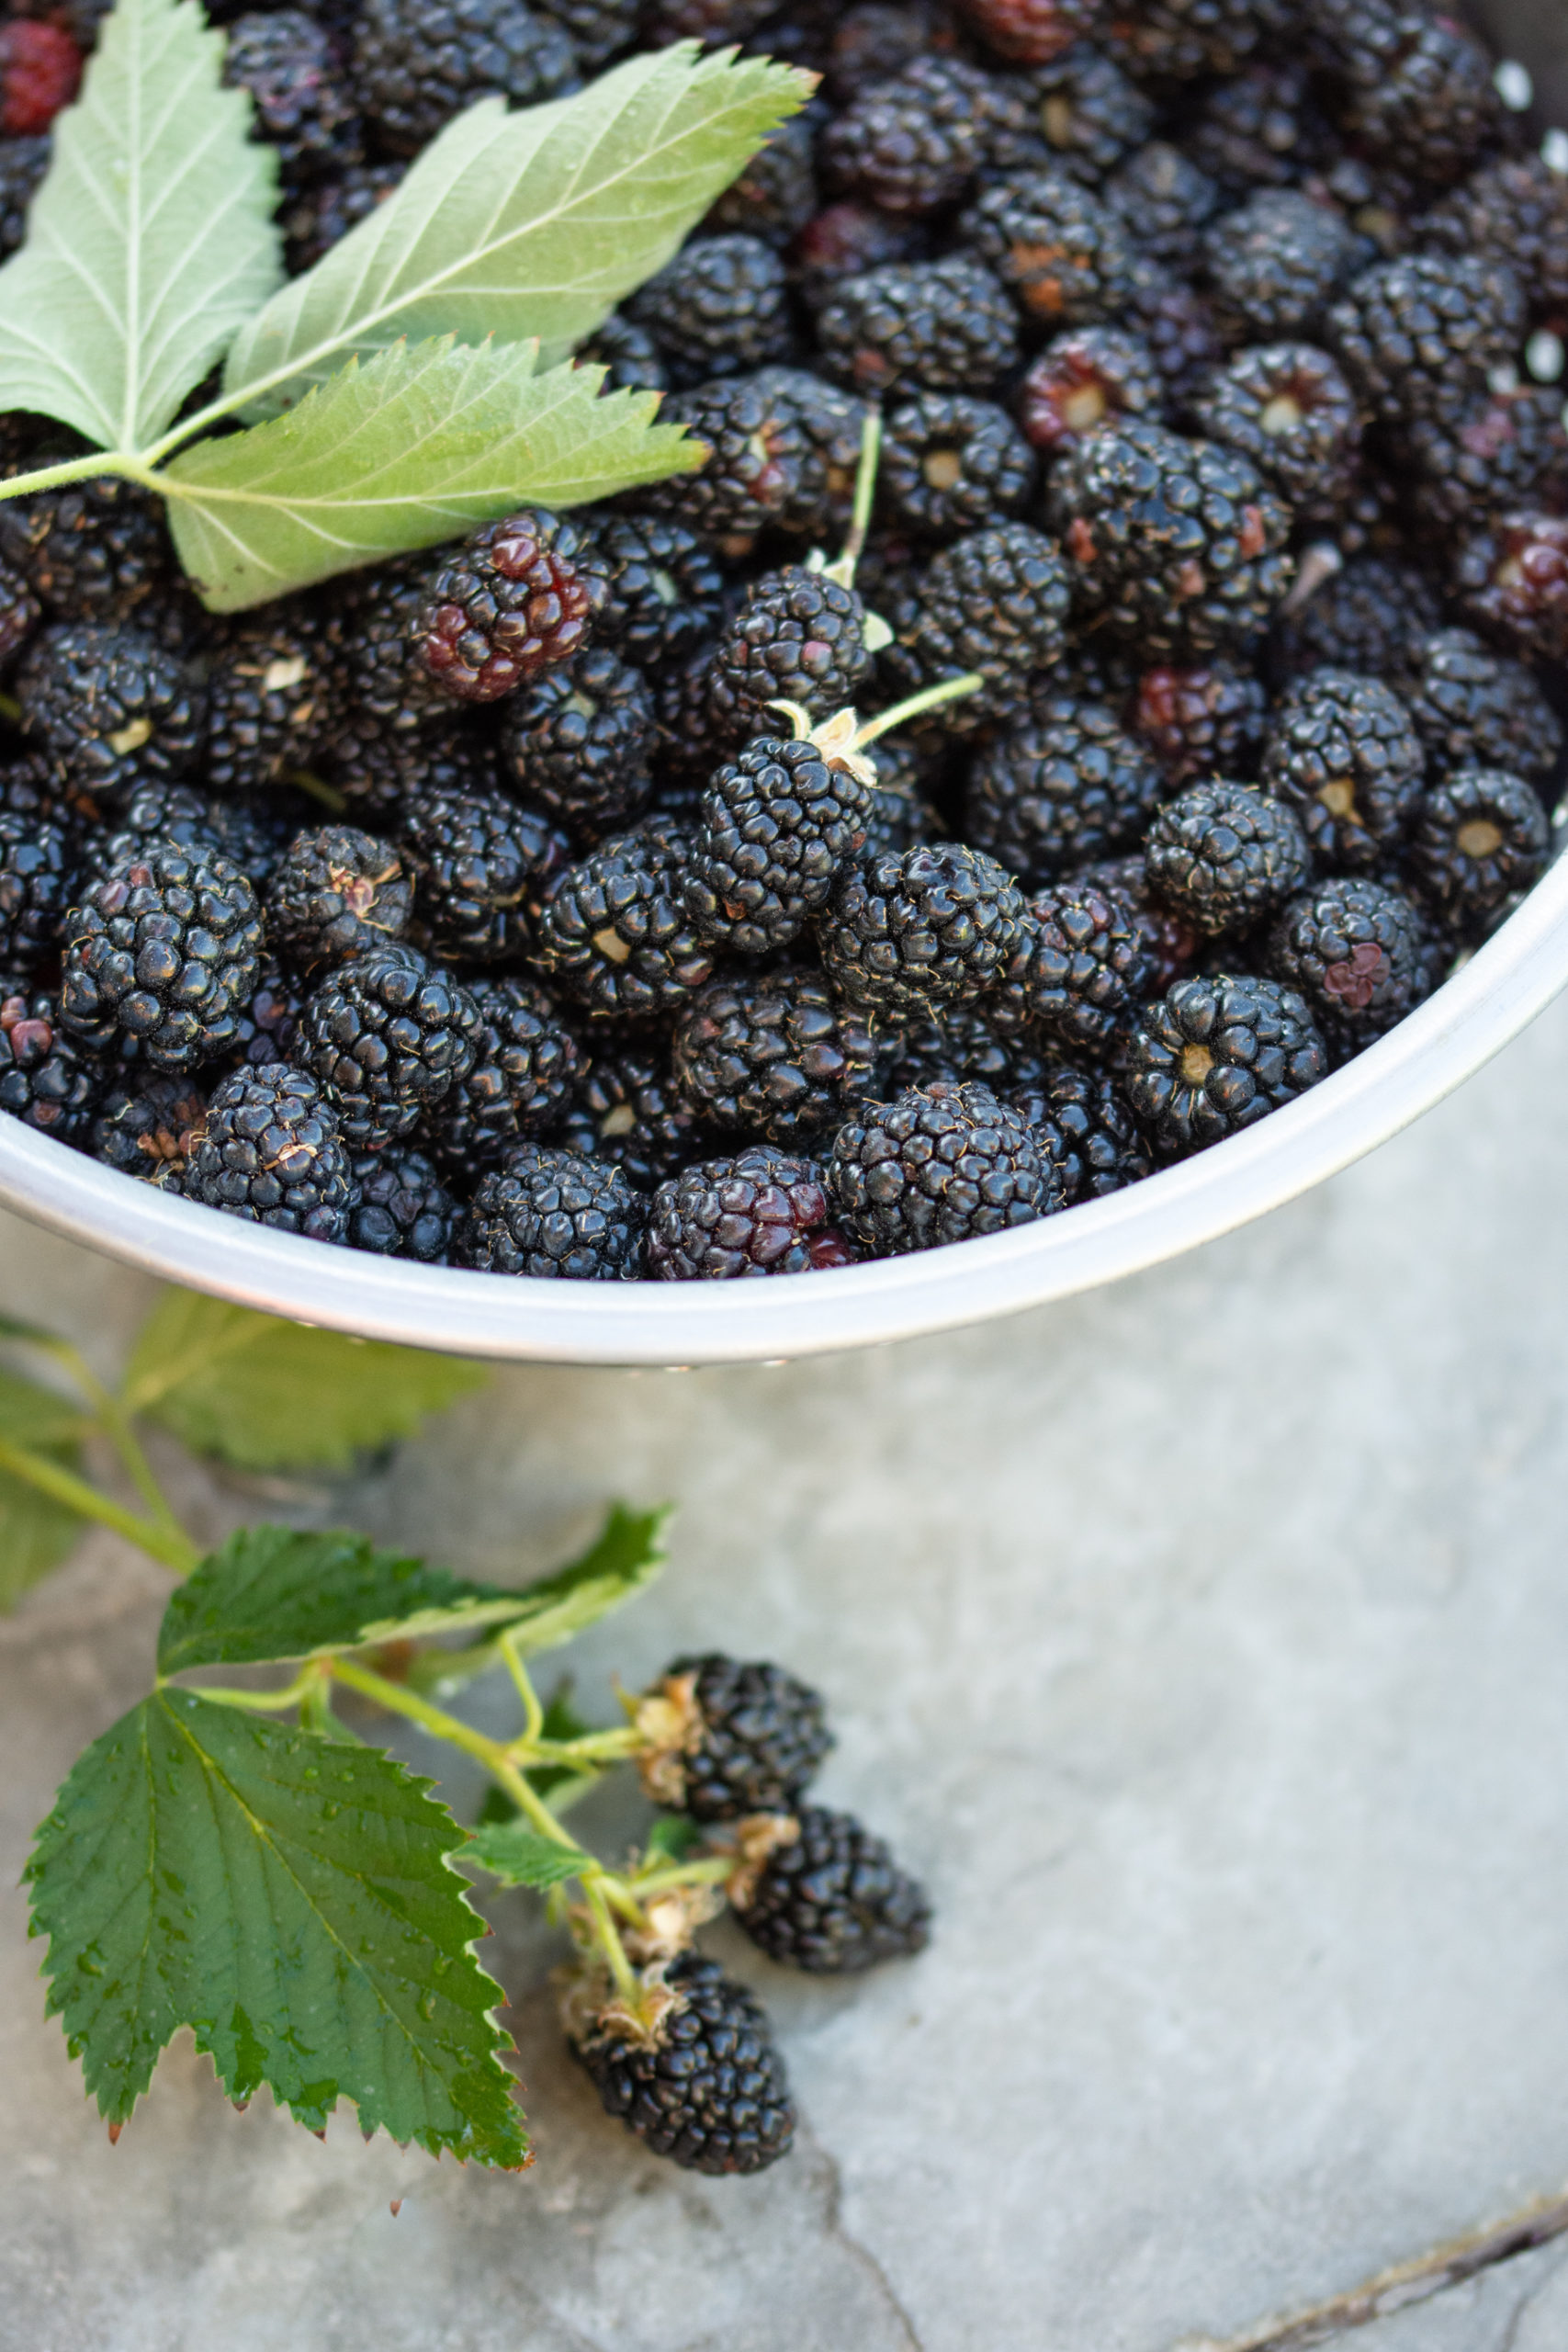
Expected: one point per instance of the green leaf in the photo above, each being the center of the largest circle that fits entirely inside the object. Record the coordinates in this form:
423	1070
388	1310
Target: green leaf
36	1531
527	224
267	1394
290	1901
521	1856
672	1837
628	1553
150	240
418	446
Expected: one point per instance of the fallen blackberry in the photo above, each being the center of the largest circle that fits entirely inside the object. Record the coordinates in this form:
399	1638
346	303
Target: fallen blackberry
1100	1147
520	594
146	1126
775	195
1217	1054
93	551
1356	952
940	1164
1062	256
404	1209
951	465
776	1057
1180	40
527	1064
665	589
1343	751
906	936
1474	708
1513	214
578	741
554	1216
995	604
385	1037
1206	721
709	2090
628	352
417	66
107	706
847	239
269	1151
720	308
159	957
830	1898
615	935
1418	87
1276	263
483	866
763	1212
22	162
725	1738
1478	836
39	862
1085	379
1512	579
1164	203
267	702
1081	966
1287	408
46	1080
1376	616
1225	856
775	826
784	449
286	60
41	67
911	144
936	326
798	637
626	1108
1422	335
338	893
1264	129
1063	785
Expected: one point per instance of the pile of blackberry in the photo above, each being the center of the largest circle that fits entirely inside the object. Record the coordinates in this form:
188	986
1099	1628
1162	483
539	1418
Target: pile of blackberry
523	906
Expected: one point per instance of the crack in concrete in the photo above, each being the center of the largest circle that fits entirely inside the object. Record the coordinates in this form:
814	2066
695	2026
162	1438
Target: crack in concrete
1525	2303
859	2252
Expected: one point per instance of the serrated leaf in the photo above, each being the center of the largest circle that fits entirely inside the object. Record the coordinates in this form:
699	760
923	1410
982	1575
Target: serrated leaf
36	1531
628	1553
521	1856
533	223
290	1901
418	445
151	239
267	1394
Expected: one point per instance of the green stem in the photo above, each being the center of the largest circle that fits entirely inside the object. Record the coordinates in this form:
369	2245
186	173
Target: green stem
167	1545
843	570
710	1871
10	709
100	463
533	1712
607	1936
115	1422
929	698
267	1703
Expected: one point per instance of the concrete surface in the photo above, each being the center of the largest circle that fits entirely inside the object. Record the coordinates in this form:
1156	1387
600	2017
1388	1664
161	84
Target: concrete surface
1203	1641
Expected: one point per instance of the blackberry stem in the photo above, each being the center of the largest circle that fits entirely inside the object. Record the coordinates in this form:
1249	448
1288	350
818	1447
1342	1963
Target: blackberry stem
929	698
89	469
842	572
163	1542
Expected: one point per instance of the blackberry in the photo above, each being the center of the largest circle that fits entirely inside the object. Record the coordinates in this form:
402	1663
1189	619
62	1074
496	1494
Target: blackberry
1180	327
286	60
269	1151
939	325
46	1080
526	1064
830	1898
1180	40
1474	708
1422	335
775	196
417	66
728	1739
776	1057
1497	455
906	936
1101	1149
1513	214
161	955
798	637
578	739
1356	952
146	1126
268	703
1091	114
41	67
1277	261
338	893
381	771
268	1017
846	239
710	2090
404	1209
1511	579
1176	543
1064	784
1419	89
1217	1054
964	1044
995	603
22	162
665	589
913	143
1085	379
763	1212
554	1216
613	935
689	743
629	355
482	867
876	39
1287	408
1225	856
626	1109
1206	721
951	464
107	706
93	551
1164	203
720	308
39	861
385	681
784	448
1478	836
940	1164
600	30
520	594
1263	130
1375	615
19	612
158	813
320	214
1172	944
706	21
1081	966
1030	32
776	825
386	1036
1064	255
1343	751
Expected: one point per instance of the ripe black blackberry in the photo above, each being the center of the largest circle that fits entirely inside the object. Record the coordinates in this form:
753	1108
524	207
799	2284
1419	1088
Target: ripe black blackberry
417	66
911	144
1205	721
1277	261
1500	452
1511	576
1418	87
404	1209
615	935
708	21
146	1125
269	1151
776	1057
1422	335
1181	330
763	1212
1083	379
1474	708
1064	257
798	637
39	863
775	195
846	239
1215	1055
22	162
1287	408
784	447
520	594
1179	40
997	603
631	359
1343	751
379	771
1081	966
483	866
268	701
1478	836
625	1108
951	464
1263	130
775	826
830	1898
689	742
1176	543
710	2090
1101	1149
47	1080
1375	615
338	893
720	308
94	551
578	739
1512	212
268	1017
289	63
600	30
665	589
929	325
319	214
940	1164
527	1064
1062	784
19	612
875	39
387	1036
108	706
554	1216
155	813
1173	946
1092	113
906	936
1356	951
159	957
1164	203
1225	855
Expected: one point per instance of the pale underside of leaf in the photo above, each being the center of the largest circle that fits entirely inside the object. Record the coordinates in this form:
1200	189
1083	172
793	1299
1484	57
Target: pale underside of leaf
418	445
151	239
520	1856
529	224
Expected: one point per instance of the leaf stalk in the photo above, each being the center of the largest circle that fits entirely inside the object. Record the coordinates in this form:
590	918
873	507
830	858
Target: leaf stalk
165	1544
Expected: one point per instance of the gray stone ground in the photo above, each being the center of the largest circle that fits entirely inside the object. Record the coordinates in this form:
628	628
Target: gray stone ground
1203	1640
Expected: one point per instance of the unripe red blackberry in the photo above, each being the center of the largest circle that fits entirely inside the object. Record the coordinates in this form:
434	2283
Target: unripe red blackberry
520	594
41	67
1032	32
763	1212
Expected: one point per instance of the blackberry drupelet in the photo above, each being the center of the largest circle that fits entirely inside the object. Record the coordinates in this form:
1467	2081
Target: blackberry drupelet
830	1898
417	66
615	935
847	239
729	1738
665	589
940	1164
1276	263
776	1057
995	603
1513	213
937	326
1512	579
338	893
775	195
269	1151
1215	1055
906	936
47	1080
1418	87
1376	616
720	308
1287	408
527	1064
625	1108
40	860
554	1216
286	61
1176	543
1085	379
1182	38
22	162
520	594
269	700
1101	1149
911	144
1264	129
483	866
385	1037
798	637
1474	708
951	464
578	741
1164	203
93	551
1082	965
108	706
1343	751
1478	836
159	957
776	825
1062	256
1225	856
763	1212
1062	784
710	2090
1356	952
146	1125
404	1209
1421	336
1207	721
784	447
268	1017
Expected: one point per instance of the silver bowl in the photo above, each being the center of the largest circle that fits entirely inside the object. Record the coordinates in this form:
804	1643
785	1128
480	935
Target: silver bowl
1495	995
